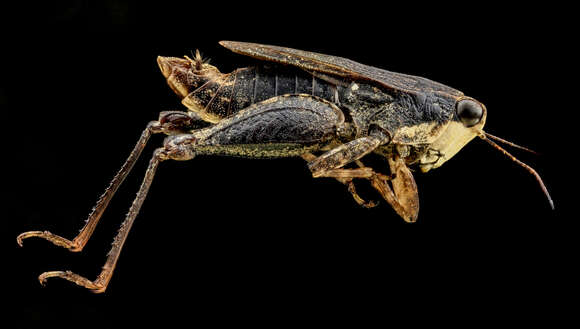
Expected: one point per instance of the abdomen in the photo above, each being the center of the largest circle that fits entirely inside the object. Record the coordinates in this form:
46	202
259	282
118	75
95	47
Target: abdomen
223	95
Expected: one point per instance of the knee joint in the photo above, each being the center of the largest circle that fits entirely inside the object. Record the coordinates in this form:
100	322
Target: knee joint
178	147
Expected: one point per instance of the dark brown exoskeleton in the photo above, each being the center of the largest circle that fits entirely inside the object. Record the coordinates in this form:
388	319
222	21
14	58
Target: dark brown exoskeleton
329	110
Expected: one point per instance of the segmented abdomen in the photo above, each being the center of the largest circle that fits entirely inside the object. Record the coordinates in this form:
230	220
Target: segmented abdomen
226	94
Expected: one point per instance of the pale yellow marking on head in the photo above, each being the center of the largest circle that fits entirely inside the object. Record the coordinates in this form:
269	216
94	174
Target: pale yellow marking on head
455	136
453	139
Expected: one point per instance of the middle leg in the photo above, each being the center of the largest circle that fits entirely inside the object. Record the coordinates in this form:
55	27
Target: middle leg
346	176
399	189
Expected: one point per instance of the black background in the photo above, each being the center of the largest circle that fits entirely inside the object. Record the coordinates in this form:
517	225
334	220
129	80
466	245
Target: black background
259	241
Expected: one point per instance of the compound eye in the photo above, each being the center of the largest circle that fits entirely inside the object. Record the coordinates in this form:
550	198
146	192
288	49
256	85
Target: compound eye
469	112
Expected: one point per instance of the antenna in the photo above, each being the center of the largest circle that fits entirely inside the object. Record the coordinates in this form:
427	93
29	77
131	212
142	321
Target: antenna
530	169
501	140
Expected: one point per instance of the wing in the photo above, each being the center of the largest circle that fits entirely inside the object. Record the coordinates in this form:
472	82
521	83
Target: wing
339	66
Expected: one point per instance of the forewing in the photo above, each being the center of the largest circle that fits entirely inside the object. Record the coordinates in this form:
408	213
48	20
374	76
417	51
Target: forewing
338	66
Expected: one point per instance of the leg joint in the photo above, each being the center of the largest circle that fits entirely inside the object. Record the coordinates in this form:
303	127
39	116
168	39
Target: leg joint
177	147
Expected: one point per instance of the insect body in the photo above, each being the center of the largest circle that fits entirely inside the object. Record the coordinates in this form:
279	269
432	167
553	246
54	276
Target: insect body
329	110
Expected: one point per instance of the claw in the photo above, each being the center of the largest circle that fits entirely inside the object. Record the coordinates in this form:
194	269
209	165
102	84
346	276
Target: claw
20	237
370	204
72	277
358	199
42	278
55	239
29	234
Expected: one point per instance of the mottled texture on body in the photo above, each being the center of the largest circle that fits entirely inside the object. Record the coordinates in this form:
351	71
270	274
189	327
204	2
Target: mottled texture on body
286	125
412	110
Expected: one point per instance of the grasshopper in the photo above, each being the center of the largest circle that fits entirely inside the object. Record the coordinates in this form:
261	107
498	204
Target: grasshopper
329	110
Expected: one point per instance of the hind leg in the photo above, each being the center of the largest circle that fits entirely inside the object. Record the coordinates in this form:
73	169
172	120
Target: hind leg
281	126
170	123
100	284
